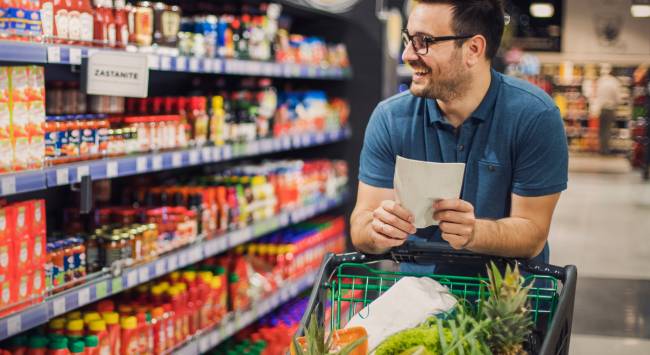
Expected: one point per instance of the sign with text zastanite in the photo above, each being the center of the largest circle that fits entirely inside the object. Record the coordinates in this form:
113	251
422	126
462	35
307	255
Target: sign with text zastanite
117	74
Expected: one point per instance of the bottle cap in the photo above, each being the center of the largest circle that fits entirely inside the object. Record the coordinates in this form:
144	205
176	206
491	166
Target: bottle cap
111	318
129	323
91	341
97	326
75	325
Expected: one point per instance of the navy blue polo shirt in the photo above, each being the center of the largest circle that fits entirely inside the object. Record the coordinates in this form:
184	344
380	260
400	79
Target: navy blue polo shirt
513	143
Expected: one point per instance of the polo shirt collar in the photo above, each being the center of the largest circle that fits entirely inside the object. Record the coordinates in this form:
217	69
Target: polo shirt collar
482	112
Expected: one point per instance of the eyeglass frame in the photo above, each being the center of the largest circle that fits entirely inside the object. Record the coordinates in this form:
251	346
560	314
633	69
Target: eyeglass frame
429	40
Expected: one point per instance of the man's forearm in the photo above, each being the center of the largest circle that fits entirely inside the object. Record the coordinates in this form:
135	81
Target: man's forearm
509	237
360	226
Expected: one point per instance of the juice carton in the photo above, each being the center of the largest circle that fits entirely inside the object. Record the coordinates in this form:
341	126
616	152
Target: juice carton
19	108
36	134
22	287
36	83
6	149
37	212
22	240
5	87
19	78
6	296
37	277
6	247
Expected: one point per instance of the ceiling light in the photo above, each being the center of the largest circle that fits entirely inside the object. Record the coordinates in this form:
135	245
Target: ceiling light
640	10
542	9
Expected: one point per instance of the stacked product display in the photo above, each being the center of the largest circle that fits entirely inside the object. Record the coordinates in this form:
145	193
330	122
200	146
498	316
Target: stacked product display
257	32
160	316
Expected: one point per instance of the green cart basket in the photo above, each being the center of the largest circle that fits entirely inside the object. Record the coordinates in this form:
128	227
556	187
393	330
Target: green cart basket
346	283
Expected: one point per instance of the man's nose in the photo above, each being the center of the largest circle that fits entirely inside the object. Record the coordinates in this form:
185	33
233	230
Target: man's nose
409	53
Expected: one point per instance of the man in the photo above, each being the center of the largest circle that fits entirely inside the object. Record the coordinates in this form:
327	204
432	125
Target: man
508	132
607	98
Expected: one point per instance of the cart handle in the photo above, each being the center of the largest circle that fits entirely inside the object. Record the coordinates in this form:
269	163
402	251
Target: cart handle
411	251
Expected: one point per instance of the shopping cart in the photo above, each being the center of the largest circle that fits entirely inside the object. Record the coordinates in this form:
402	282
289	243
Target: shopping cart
346	283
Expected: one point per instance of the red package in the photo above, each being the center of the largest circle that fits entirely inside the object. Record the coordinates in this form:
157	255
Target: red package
6	296
22	240
37	278
22	289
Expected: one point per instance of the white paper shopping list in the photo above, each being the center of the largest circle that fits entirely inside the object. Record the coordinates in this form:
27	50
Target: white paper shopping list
418	184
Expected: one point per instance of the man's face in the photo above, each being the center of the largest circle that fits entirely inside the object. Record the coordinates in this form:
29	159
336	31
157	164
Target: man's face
441	72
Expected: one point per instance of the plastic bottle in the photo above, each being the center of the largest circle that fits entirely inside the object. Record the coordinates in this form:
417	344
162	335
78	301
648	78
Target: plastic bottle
78	346
158	324
18	344
37	345
129	336
111	29
169	325
57	326
121	25
104	306
98	329
75	329
86	21
100	26
112	320
91	343
58	346
142	333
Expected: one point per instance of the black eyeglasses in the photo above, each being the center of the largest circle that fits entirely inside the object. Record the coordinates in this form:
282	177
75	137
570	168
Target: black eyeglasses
422	42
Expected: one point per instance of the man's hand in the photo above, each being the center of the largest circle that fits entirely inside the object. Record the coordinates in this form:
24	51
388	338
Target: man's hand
391	225
456	221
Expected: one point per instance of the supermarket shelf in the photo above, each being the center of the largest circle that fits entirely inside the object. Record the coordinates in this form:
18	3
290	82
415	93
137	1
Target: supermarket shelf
210	339
108	285
141	164
41	53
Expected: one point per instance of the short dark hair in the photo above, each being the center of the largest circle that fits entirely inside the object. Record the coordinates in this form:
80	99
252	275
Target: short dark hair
474	17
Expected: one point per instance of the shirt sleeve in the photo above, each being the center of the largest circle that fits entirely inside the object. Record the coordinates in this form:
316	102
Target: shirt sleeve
542	158
377	162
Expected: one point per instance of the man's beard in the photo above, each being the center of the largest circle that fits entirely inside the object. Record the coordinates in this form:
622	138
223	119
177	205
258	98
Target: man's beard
448	85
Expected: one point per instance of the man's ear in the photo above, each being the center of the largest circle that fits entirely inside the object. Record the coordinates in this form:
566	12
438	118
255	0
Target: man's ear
475	49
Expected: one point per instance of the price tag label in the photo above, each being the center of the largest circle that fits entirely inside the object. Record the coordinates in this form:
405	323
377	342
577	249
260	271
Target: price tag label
194	157
182	259
320	137
101	290
204	344
14	325
172	263
206	154
58	306
253	148
217	66
62	177
157	162
305	140
82	171
83	296
160	268
214	338
8	185
75	56
194	64
284	220
53	54
177	160
227	152
143	274
116	285
131	278
153	61
141	164
216	153
165	63
222	245
181	63
111	169
286	142
322	206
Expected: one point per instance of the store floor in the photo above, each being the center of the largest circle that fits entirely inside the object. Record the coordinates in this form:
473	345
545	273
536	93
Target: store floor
602	225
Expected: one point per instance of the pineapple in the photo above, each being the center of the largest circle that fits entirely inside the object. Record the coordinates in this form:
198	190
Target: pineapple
510	322
314	342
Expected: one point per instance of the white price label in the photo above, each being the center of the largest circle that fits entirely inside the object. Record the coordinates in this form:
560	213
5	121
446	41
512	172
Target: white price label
182	259
141	164
214	338
160	268
305	139
14	325
206	154
82	171
217	153
62	177
296	141
277	144
165	63
143	274
58	306
284	220
111	169
311	72
194	157
222	245
172	263
157	162
177	160
217	65
286	142
204	344
132	279
194	64
253	148
8	185
181	63
75	56
322	205
320	137
53	54
227	152
83	296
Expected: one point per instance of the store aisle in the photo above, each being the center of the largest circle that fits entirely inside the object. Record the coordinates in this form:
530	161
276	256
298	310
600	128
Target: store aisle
602	225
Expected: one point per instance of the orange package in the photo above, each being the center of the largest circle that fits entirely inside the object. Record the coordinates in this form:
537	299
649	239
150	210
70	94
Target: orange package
36	134
6	148
5	87
22	240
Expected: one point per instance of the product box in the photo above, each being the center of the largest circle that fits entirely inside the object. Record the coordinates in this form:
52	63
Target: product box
36	83
22	287
37	278
38	221
36	134
21	215
6	296
6	244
